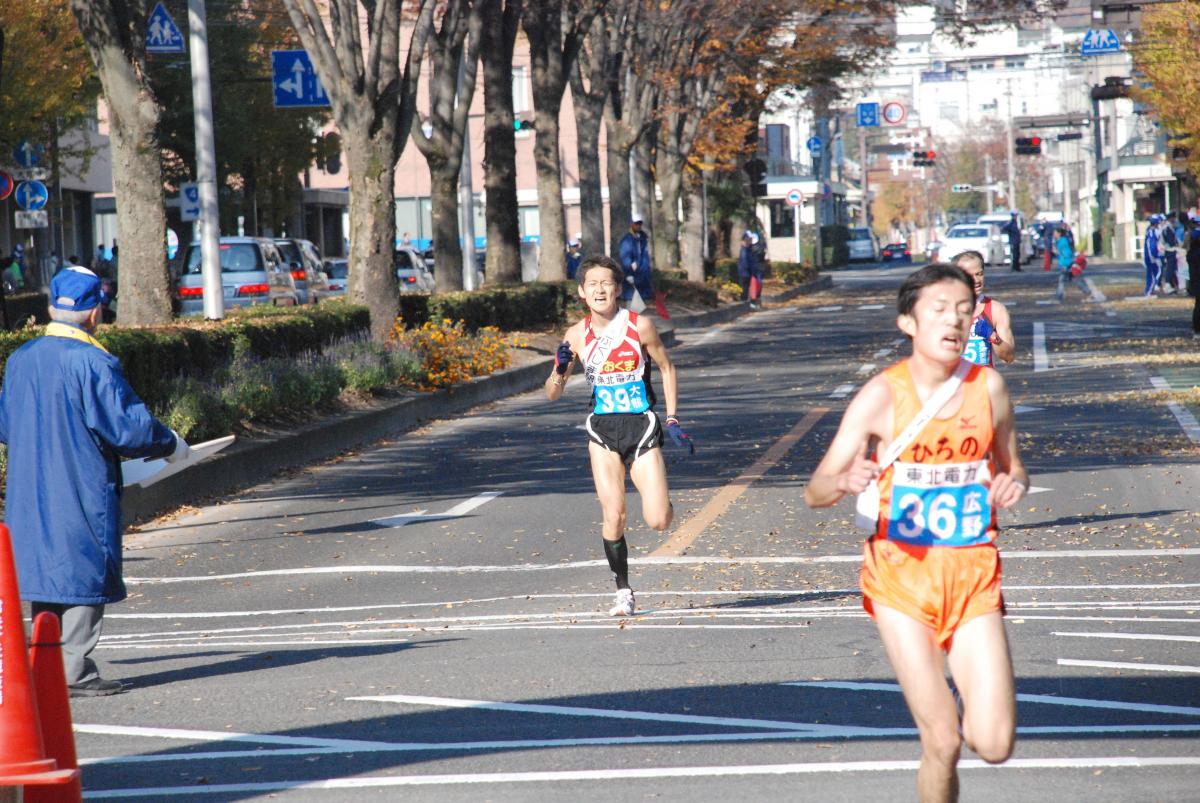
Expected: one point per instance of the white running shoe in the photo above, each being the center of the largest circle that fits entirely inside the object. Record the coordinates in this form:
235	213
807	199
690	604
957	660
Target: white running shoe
623	603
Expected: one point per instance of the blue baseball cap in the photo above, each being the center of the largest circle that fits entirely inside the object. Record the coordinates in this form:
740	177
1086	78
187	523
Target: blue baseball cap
76	288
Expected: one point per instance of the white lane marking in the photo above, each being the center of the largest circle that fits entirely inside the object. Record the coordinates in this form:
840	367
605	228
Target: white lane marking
1039	346
1046	699
1110	313
1158	383
648	561
1191	670
871	306
841	391
1021	408
1134	637
1187	421
189	734
613	773
1045	301
461	509
830	308
866	368
1037	489
883	353
1175	551
575	711
1097	296
446	603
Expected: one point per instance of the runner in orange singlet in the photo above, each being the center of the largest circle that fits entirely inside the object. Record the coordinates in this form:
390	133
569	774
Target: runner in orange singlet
931	571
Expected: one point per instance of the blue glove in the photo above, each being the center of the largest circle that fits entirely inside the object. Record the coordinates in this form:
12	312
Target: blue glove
563	358
984	329
679	437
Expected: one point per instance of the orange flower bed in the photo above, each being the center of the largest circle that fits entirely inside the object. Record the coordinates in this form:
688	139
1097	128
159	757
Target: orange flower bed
449	354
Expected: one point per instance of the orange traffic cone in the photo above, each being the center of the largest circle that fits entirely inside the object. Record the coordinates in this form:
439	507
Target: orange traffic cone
22	756
54	710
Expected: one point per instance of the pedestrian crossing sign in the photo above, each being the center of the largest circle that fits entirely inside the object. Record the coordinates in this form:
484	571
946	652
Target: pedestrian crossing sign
162	34
1098	41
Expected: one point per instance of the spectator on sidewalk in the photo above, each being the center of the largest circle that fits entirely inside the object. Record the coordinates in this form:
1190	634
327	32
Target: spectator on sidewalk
68	416
750	269
1152	256
1013	229
1193	263
1171	239
635	261
574	257
1065	255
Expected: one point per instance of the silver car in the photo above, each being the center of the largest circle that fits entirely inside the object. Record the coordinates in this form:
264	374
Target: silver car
252	272
307	271
337	272
411	272
862	245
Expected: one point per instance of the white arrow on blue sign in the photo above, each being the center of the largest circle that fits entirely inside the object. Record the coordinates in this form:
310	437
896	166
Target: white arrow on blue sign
32	195
27	154
814	145
189	202
1098	41
868	115
295	81
162	34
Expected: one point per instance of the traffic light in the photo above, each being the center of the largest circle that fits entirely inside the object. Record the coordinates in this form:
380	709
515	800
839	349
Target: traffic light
522	125
1029	146
960	188
756	170
1069	135
924	158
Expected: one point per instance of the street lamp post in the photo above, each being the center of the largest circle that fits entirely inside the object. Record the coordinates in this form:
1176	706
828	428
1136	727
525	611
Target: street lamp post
206	163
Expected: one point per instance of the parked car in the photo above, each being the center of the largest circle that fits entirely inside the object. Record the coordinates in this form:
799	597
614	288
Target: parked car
897	253
414	277
307	271
337	273
252	272
985	238
1001	220
863	245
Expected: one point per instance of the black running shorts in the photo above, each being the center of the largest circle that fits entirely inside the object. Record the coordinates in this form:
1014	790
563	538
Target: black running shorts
630	435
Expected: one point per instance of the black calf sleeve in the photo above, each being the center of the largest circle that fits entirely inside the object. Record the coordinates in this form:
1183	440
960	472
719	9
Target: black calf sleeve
617	553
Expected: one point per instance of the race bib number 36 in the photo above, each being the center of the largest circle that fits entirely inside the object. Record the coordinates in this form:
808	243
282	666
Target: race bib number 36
940	505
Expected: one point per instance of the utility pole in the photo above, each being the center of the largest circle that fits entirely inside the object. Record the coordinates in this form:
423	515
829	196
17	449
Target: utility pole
987	179
206	163
466	192
1012	180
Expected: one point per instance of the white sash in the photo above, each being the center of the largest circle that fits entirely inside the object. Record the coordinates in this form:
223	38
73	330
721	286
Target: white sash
603	345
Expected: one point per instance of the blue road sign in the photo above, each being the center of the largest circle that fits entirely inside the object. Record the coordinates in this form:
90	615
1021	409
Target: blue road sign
6	185
814	146
26	154
162	34
295	81
1098	41
868	115
32	195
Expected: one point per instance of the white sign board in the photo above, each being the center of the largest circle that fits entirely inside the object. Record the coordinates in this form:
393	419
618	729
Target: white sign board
189	202
145	471
31	174
39	219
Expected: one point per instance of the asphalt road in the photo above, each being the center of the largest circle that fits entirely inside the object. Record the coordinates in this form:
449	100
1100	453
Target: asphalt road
425	620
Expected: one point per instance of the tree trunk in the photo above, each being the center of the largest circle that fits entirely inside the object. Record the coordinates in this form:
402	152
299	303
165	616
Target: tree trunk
694	232
552	255
503	264
447	237
667	233
137	170
372	276
591	199
644	190
620	207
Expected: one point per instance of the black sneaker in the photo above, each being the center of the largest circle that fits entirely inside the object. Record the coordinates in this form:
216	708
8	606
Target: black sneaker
96	687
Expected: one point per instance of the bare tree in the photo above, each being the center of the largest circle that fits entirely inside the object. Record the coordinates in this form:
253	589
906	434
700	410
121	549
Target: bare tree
555	29
501	18
589	91
115	32
373	101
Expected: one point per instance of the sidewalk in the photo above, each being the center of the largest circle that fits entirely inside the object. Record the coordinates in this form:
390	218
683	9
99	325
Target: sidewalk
251	461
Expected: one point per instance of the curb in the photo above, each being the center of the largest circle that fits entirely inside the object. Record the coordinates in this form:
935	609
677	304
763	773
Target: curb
249	462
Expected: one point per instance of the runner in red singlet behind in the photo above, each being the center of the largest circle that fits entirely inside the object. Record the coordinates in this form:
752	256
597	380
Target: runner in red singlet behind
931	572
991	328
616	347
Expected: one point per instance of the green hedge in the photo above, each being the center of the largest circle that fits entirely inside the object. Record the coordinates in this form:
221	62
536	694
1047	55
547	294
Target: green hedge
154	358
527	306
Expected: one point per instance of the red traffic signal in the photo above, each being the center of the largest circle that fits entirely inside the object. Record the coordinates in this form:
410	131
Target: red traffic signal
1029	146
924	158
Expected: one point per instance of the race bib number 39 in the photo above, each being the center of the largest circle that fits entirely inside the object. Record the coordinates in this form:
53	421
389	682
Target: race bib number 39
978	351
940	505
627	397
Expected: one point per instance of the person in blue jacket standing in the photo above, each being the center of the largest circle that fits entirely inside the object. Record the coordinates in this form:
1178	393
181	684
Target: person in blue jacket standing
1152	255
68	416
1066	257
635	261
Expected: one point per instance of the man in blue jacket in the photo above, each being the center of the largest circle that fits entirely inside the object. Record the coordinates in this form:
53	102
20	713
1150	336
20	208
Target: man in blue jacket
635	261
68	416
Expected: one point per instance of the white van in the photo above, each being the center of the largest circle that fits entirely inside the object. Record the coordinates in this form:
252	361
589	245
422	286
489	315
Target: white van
1001	219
